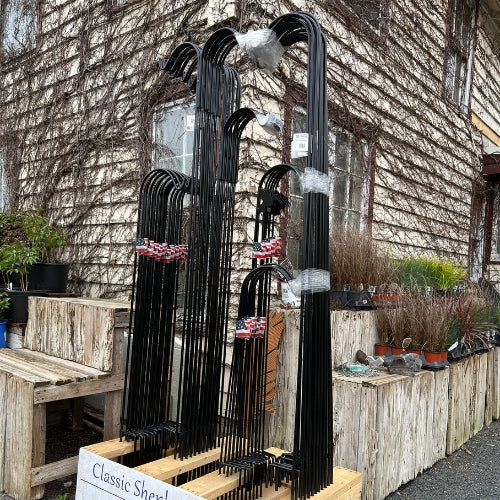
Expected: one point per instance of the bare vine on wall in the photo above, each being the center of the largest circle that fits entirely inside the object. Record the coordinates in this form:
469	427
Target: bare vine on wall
76	120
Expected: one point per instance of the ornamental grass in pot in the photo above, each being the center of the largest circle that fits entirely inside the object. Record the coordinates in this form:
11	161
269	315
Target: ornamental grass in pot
391	326
357	266
472	323
429	319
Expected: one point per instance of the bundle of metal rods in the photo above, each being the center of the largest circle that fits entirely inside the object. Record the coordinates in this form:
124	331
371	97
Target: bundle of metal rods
194	425
157	263
312	462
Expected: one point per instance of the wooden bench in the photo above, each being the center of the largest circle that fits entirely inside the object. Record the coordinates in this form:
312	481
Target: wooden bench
73	349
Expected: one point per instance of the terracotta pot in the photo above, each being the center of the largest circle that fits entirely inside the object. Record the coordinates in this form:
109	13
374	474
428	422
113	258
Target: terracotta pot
381	350
432	357
415	351
444	355
397	351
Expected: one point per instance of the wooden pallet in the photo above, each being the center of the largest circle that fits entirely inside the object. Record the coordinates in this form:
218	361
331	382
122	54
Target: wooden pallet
346	486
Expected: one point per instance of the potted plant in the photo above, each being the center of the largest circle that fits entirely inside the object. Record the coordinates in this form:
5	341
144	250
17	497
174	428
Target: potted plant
4	307
33	235
47	273
357	267
391	325
418	274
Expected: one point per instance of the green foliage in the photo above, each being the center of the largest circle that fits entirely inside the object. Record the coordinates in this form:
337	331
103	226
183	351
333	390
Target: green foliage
421	272
4	304
63	496
43	236
16	258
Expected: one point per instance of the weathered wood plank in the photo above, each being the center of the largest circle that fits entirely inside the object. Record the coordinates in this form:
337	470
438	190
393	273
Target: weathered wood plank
495	396
50	364
49	393
8	367
490	381
440	418
55	377
349	325
39	440
478	396
18	438
80	330
112	411
55	470
85	371
4	414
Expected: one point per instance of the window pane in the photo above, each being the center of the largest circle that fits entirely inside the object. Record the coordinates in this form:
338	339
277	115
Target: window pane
342	151
348	174
173	135
339	188
457	78
355	193
19	26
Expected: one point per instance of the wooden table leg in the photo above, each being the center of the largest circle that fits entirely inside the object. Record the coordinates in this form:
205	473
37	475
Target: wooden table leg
112	411
39	439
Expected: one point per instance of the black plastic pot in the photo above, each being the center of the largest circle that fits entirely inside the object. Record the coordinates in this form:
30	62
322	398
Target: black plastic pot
49	276
359	300
18	308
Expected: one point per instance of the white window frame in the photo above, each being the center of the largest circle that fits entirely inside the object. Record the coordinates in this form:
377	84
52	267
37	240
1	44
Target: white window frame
187	156
458	76
333	135
365	187
18	26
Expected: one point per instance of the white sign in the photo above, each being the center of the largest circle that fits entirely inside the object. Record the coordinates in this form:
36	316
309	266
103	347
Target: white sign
300	145
190	120
100	478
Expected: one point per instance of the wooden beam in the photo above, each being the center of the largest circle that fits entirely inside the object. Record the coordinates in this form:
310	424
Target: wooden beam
75	389
485	129
54	470
112	449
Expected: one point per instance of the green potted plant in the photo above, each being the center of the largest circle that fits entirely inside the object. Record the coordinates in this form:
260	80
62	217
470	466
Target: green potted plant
47	273
33	235
4	307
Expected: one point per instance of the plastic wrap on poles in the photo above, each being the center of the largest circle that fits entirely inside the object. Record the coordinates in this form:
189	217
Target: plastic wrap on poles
313	181
270	122
263	47
310	281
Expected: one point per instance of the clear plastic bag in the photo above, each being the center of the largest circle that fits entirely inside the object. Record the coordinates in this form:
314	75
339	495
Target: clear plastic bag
310	281
270	122
313	181
263	47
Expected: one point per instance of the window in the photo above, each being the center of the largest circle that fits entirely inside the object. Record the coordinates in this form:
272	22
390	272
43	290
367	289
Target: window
18	26
349	184
348	179
458	66
173	135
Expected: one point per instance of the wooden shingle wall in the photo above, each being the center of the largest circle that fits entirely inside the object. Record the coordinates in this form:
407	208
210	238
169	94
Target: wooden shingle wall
76	115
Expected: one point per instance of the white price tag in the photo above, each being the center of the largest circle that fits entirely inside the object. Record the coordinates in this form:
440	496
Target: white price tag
300	145
190	123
